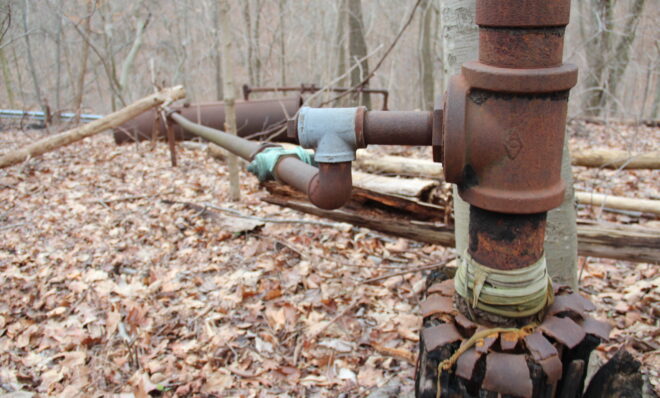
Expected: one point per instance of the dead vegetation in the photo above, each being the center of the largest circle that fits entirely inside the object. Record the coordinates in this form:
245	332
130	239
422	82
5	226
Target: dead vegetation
122	274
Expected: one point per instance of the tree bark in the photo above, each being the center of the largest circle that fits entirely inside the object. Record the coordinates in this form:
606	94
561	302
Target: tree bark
459	44
110	121
6	76
229	97
33	70
80	88
282	14
426	56
561	231
358	49
340	42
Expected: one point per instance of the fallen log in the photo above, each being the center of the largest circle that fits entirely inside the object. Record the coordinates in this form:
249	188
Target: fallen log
112	120
410	167
598	240
618	202
615	159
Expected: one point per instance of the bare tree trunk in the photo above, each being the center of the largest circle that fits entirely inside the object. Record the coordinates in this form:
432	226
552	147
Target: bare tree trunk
127	65
340	43
459	45
252	32
607	60
58	78
6	76
80	90
426	56
229	96
282	12
216	46
33	70
622	50
358	48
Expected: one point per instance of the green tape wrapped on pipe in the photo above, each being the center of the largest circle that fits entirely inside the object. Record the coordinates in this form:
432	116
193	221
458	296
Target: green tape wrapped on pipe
265	161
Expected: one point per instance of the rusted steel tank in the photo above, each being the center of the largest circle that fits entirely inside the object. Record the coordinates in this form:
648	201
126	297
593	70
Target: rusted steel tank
252	117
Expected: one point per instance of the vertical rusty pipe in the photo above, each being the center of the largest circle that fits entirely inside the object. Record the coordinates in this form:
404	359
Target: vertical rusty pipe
505	241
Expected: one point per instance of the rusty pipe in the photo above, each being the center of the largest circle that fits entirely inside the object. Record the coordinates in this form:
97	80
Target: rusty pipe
234	144
252	117
397	127
327	187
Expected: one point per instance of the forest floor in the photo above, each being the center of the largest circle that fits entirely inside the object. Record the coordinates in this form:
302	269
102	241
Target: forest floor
123	275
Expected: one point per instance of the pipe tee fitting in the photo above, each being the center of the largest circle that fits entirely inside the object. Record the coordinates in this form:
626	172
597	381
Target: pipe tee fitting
330	132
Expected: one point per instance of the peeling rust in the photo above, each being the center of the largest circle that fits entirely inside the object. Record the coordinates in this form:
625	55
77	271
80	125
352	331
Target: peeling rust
467	325
597	328
437	304
573	302
564	330
445	288
552	367
438	336
508	374
466	363
539	346
508	341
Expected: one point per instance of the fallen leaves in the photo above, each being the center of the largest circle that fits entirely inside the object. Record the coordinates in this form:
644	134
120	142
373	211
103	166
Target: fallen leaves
115	284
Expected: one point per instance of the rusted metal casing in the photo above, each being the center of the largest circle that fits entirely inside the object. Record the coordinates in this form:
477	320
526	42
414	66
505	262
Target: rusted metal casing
252	117
505	115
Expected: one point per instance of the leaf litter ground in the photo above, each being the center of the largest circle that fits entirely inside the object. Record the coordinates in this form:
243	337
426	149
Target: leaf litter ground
123	275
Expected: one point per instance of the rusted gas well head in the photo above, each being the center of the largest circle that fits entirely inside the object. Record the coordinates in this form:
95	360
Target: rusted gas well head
505	114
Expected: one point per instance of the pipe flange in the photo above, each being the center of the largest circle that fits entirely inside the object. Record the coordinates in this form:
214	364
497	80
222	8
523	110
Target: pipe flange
454	147
524	81
522	13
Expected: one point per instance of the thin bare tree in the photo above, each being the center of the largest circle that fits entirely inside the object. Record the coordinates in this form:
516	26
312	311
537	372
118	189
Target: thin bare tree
229	96
358	49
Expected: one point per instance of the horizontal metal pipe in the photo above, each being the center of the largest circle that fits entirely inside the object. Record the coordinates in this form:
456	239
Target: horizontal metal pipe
252	117
18	114
234	144
398	128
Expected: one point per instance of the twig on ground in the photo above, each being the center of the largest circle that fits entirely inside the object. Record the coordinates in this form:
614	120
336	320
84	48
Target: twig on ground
236	213
424	268
4	227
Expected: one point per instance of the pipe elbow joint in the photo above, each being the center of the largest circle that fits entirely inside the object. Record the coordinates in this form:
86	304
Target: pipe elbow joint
330	188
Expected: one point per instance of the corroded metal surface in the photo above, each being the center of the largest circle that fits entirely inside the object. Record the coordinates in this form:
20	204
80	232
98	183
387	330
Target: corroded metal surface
505	241
539	346
251	117
398	128
564	330
507	374
508	105
437	304
507	360
440	335
466	363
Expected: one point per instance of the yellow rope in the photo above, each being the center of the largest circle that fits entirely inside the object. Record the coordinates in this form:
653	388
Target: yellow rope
476	337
